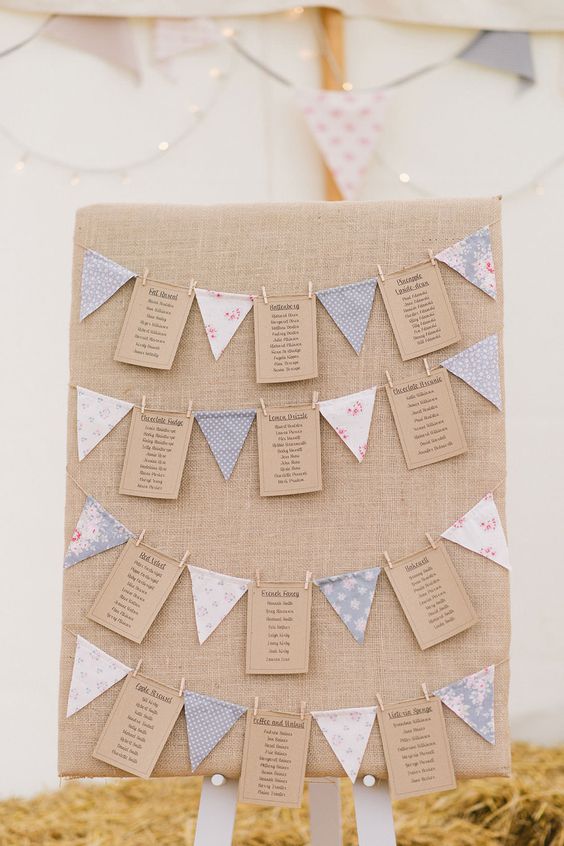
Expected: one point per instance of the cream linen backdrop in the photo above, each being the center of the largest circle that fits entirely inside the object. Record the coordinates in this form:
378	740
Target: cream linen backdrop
253	147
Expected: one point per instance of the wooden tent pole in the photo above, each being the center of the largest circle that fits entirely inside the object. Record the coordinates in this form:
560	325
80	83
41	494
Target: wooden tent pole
333	26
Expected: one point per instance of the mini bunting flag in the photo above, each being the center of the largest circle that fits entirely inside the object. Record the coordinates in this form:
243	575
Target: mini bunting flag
96	531
351	417
350	307
472	699
101	278
214	596
502	50
478	366
222	315
96	416
472	257
93	672
207	721
225	432
172	36
346	126
481	531
109	38
351	595
347	731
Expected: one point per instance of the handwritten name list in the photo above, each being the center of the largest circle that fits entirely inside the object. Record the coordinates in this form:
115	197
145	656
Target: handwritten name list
285	338
289	450
278	627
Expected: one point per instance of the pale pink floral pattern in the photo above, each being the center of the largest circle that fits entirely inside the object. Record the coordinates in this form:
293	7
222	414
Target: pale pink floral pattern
214	595
472	699
96	531
350	417
96	416
472	257
481	530
223	313
94	672
351	595
347	732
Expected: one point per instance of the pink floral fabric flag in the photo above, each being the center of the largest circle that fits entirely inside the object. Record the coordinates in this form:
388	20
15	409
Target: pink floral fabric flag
472	699
350	595
351	417
222	314
480	530
96	416
109	38
172	36
214	596
93	672
347	731
96	531
346	126
472	257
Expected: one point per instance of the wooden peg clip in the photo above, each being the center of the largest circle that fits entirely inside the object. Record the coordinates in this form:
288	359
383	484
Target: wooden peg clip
143	401
310	289
380	273
431	257
380	702
425	691
263	406
255	707
430	539
137	668
257	578
315	399
388	560
140	537
184	558
192	286
145	275
265	298
182	686
302	709
389	378
426	363
190	405
307	579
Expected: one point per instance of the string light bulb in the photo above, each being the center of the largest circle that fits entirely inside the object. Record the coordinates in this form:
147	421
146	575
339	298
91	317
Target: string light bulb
194	109
404	177
347	86
125	178
306	54
75	179
228	32
163	146
296	11
20	164
216	73
539	189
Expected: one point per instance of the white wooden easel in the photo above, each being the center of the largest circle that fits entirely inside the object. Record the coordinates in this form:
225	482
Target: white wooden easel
373	809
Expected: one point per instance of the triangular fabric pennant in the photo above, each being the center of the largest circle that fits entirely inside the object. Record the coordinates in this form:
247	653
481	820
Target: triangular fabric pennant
347	731
225	432
93	672
351	417
478	366
109	38
207	721
214	596
350	307
472	257
502	50
472	699
172	36
96	416
101	278
222	315
351	595
481	531
346	126
96	531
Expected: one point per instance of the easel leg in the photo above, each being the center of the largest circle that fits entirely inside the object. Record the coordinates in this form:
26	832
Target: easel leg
216	814
374	820
325	812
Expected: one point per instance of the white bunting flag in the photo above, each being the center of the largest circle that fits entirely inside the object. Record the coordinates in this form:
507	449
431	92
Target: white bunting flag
347	731
480	530
214	596
222	314
101	278
346	126
472	699
107	37
351	417
472	257
96	416
351	595
172	36
478	366
93	672
207	721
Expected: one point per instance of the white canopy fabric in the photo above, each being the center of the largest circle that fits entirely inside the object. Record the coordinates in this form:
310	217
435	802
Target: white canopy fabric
540	16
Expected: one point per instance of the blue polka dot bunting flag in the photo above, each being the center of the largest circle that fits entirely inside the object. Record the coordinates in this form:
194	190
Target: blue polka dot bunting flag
350	307
225	432
472	699
101	278
478	366
207	721
351	595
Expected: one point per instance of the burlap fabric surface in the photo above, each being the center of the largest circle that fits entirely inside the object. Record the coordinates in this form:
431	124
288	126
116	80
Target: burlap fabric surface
362	509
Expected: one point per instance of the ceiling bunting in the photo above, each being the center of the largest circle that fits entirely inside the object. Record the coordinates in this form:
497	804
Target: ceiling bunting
96	531
101	278
93	672
481	531
107	38
350	307
207	721
472	257
225	432
502	50
222	314
173	36
478	366
96	416
351	417
346	126
351	595
472	699
347	731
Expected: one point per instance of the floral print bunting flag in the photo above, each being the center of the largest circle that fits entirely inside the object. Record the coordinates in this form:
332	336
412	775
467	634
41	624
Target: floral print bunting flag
222	314
351	595
214	596
96	416
101	278
472	257
96	531
472	699
347	731
351	417
478	366
481	530
93	672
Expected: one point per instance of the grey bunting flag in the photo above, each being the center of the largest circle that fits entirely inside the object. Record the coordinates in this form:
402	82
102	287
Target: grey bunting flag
207	721
504	51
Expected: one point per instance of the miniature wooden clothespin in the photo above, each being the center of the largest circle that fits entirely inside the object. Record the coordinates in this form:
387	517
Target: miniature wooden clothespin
265	298
310	289
302	709
379	700
136	670
140	537
143	400
263	406
430	539
380	274
431	257
182	685
388	560
184	558
145	274
257	578
255	708
426	363
307	579
425	691
315	399
192	286
189	412
389	378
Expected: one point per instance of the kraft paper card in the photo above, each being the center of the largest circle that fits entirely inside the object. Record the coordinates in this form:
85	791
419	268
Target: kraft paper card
427	419
419	310
274	759
136	590
285	338
139	724
278	627
432	595
289	447
153	324
416	748
156	453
